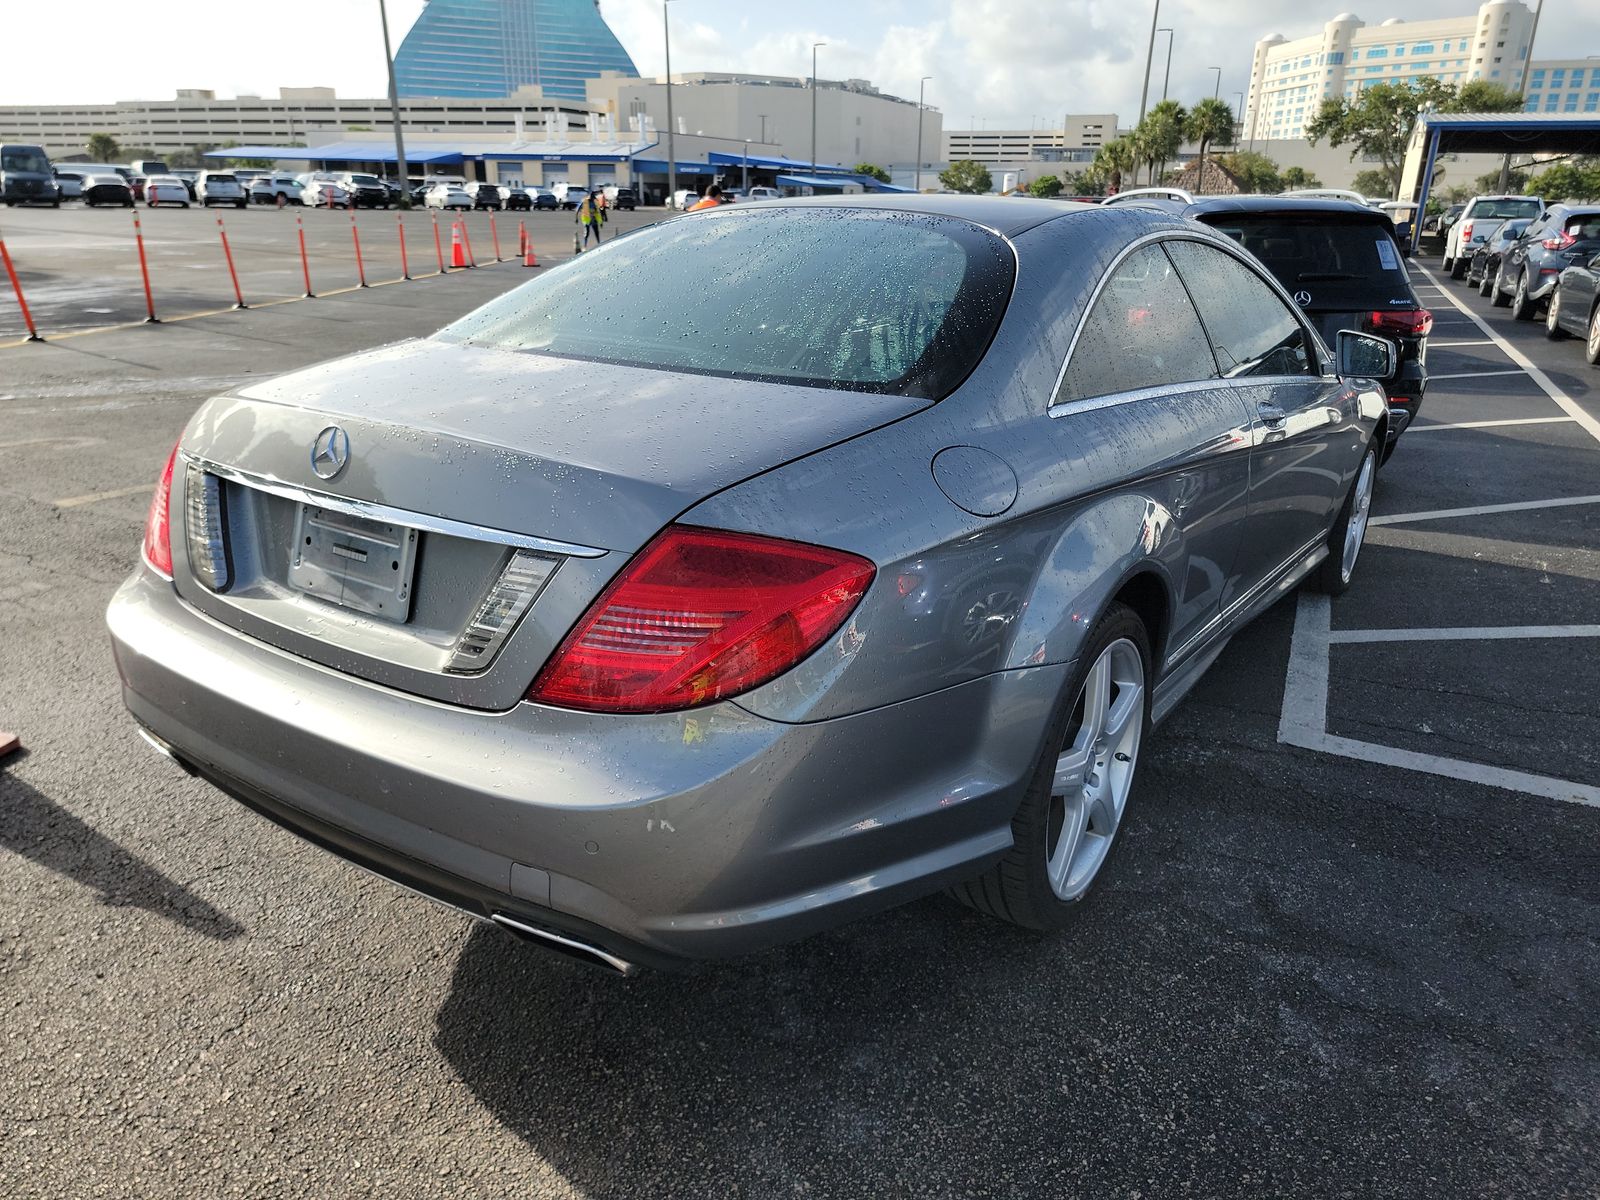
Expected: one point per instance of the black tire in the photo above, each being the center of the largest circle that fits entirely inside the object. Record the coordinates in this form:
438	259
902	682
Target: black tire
1458	268
1498	297
1552	316
1017	888
240	203
1332	577
1486	284
1521	307
1447	264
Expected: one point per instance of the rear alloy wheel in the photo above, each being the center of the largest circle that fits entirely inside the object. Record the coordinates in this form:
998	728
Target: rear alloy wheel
1486	284
1552	316
1521	306
1349	532
1498	297
1591	349
1066	826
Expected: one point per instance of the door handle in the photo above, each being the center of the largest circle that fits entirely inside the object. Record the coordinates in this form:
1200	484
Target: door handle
1273	417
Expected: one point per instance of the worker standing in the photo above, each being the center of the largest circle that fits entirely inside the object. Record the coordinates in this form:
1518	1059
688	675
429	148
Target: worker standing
591	215
713	198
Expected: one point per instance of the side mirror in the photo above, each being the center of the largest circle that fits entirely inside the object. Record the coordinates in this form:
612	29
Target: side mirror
1362	356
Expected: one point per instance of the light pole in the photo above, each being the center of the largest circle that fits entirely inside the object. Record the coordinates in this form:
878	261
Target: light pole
1166	77
1238	120
814	46
920	86
744	182
672	145
763	128
1522	90
1216	92
394	112
1149	57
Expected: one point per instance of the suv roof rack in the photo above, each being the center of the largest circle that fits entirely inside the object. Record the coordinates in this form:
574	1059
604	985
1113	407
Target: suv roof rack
1163	193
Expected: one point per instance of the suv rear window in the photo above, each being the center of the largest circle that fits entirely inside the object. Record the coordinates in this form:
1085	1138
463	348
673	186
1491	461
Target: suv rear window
891	302
1343	262
212	177
1489	210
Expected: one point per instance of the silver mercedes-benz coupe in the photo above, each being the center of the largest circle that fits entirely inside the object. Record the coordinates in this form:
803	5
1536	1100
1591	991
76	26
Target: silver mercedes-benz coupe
761	569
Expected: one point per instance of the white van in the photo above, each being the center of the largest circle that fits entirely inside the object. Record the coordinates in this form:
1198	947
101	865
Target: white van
219	187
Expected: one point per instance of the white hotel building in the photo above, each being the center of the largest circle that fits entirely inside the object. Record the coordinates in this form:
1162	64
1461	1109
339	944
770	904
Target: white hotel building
1289	80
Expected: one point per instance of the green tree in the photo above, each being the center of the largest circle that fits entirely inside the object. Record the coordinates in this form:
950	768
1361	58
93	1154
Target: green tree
1113	160
1299	177
103	148
1371	182
1254	171
1210	123
1045	187
1379	122
1158	136
1489	182
1578	179
870	169
968	177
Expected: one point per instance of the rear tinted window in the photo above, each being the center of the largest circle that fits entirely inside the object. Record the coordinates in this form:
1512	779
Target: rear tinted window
890	302
1503	209
1339	264
221	179
1584	226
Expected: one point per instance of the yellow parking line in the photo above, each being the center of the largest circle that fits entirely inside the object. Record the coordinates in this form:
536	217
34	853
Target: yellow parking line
96	497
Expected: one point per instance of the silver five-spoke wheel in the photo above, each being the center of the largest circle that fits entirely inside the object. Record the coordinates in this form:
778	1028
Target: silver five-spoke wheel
1095	772
1355	532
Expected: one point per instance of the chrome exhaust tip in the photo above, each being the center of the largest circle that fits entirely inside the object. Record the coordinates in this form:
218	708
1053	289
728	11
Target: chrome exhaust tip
568	947
164	749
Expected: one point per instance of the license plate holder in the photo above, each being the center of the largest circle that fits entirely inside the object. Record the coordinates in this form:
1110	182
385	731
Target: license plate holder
354	562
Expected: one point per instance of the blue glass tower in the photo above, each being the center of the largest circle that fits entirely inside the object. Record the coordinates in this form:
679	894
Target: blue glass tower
492	47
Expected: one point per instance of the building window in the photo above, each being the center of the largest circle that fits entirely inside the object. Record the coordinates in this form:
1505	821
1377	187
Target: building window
1591	102
1422	48
1532	105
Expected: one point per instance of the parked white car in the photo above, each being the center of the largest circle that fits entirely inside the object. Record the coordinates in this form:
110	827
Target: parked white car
1479	222
764	193
684	199
70	183
324	193
219	187
269	189
448	195
166	189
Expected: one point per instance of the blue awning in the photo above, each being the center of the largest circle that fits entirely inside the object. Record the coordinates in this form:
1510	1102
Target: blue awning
765	163
297	153
817	181
658	166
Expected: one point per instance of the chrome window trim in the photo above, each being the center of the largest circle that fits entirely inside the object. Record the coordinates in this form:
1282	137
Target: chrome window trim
1060	408
397	516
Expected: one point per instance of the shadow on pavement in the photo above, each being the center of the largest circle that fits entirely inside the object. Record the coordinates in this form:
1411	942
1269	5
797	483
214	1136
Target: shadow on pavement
35	827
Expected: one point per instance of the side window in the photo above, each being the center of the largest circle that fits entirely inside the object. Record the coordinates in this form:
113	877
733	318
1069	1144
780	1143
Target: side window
1252	331
1142	332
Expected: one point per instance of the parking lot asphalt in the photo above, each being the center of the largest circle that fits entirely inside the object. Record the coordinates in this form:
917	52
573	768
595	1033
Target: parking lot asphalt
1350	946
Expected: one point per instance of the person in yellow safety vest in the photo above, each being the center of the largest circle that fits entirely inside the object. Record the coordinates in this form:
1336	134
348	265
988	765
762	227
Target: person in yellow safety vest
713	198
591	215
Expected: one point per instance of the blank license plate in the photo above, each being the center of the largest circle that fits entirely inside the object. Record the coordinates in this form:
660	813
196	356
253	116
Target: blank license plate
353	562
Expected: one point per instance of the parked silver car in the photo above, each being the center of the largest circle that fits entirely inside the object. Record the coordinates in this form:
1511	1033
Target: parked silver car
703	627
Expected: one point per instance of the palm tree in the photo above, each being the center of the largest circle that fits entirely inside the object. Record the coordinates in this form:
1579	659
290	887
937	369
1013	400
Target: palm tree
1161	134
1210	123
102	147
1113	159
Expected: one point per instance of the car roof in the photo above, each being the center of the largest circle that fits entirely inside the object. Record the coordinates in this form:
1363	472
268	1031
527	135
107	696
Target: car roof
1008	216
1280	205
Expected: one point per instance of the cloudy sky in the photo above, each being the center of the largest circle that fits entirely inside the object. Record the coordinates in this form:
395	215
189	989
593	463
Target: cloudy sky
1001	62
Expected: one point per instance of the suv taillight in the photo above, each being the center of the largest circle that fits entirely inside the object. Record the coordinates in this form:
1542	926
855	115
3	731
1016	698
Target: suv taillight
1560	242
1466	232
1411	322
157	549
698	616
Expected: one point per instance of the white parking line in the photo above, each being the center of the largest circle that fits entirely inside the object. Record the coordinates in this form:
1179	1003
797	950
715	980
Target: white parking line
1469	634
1304	721
1453	345
1568	405
1474	375
1436	426
1480	510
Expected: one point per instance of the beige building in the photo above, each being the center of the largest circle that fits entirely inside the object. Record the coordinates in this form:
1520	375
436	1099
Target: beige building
855	121
1289	80
1076	141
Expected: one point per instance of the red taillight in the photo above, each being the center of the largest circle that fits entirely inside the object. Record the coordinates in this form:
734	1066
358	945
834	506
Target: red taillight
1466	232
1413	322
158	525
700	615
1560	242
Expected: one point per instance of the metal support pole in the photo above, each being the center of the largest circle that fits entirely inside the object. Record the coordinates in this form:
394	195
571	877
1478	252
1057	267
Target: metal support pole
1149	57
144	271
920	90
814	46
1166	77
1522	90
305	263
227	253
672	129
394	111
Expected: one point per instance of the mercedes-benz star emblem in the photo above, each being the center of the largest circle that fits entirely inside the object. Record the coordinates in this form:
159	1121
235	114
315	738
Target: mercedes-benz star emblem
330	452
1303	299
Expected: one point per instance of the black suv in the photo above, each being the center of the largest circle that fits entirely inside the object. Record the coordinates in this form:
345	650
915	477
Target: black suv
1343	265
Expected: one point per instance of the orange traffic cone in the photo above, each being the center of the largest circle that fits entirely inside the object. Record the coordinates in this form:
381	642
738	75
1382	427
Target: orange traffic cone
458	257
529	258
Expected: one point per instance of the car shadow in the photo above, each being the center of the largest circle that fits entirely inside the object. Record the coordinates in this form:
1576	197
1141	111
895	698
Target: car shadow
40	830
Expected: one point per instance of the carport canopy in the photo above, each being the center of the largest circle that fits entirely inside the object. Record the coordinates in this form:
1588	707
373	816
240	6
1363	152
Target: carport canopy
1521	133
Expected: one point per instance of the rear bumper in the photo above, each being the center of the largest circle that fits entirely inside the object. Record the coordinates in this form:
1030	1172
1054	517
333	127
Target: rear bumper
661	838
